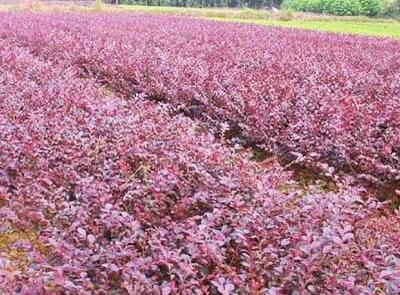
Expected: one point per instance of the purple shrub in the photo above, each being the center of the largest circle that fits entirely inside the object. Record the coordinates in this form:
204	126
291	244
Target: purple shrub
332	98
108	187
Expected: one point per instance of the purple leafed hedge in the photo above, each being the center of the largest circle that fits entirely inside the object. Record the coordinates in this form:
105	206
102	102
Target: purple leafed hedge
333	99
113	179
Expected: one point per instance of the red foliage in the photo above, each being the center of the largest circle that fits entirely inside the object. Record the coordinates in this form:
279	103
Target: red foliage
118	191
332	98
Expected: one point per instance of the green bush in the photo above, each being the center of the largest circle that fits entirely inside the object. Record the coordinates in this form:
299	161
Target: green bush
286	4
314	6
370	7
297	5
337	7
305	5
343	7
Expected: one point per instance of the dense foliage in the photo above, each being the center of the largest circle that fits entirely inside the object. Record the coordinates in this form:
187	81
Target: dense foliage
304	5
370	7
336	7
115	176
348	100
343	7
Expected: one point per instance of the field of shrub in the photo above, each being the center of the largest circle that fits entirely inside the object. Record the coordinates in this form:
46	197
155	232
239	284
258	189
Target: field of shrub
161	155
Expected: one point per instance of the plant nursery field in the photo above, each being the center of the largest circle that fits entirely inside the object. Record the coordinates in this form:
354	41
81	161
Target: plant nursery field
144	154
358	25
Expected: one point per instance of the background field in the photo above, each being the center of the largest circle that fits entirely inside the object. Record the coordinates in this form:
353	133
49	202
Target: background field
346	25
378	27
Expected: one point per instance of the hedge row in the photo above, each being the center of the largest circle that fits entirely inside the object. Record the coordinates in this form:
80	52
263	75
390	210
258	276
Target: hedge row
332	100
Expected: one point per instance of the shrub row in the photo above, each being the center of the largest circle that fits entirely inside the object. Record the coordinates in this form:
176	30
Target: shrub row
100	184
330	99
337	7
103	191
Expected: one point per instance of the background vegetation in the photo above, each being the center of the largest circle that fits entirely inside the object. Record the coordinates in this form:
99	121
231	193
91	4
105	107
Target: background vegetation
359	25
335	7
342	7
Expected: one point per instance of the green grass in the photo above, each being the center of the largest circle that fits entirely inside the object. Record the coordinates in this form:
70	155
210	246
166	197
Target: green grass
376	29
344	25
245	13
